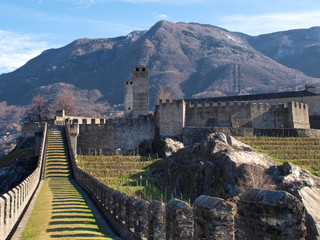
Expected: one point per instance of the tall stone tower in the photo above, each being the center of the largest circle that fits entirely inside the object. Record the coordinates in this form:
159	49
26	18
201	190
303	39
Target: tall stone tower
136	93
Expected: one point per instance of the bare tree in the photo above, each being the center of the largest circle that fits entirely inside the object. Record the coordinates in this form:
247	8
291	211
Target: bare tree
66	101
39	109
164	94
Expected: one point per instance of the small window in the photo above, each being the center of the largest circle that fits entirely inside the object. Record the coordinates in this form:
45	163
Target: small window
127	83
143	69
130	83
129	108
137	69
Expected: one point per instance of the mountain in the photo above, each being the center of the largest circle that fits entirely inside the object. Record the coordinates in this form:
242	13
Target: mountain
299	49
190	59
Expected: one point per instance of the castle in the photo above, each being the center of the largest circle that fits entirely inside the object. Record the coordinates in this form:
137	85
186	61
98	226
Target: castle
267	213
190	119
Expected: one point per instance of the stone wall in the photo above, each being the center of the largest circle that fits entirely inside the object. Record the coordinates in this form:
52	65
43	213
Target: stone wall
277	214
246	114
14	202
170	117
287	115
265	115
173	116
299	115
107	137
220	114
313	103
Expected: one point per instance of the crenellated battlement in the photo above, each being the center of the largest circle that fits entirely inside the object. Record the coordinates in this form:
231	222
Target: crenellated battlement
298	105
174	115
113	122
217	104
169	102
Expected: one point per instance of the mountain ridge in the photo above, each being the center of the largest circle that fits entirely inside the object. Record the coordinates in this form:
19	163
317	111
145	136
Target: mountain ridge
190	59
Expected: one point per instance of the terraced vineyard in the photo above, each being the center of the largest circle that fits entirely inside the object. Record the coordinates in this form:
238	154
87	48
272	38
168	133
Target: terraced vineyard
129	174
304	152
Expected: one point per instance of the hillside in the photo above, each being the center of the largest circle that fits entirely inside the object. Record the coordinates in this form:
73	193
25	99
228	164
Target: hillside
299	49
192	60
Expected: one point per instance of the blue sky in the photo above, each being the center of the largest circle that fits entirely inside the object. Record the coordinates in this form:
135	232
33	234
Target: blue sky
27	27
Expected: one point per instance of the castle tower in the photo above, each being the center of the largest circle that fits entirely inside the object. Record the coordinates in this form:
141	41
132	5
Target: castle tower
136	93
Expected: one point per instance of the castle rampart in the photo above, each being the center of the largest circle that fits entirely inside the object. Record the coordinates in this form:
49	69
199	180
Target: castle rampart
174	116
218	114
124	134
308	96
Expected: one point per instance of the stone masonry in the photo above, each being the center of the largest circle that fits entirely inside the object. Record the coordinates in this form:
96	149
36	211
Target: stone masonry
136	93
172	117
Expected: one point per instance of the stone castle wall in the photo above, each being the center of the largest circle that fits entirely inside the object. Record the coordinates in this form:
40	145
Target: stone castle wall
313	103
173	117
208	218
220	114
170	117
112	134
14	202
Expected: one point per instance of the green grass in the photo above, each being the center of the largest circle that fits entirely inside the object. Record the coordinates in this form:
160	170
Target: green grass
61	211
301	151
129	174
17	155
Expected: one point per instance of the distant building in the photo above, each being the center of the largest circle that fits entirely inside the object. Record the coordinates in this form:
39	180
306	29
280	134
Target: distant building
307	96
136	93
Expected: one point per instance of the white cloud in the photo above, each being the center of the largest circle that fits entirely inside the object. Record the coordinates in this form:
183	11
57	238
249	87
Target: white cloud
17	49
271	22
159	16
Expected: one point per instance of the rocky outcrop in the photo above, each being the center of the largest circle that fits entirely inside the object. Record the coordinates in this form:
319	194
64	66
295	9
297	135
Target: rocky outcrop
270	215
167	146
220	166
306	187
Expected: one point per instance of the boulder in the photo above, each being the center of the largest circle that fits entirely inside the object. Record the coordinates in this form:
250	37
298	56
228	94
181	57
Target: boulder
306	187
167	146
220	166
265	214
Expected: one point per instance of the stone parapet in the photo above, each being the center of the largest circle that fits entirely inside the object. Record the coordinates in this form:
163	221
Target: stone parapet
13	203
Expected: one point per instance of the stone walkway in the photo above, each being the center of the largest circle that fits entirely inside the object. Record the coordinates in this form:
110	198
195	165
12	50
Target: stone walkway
60	210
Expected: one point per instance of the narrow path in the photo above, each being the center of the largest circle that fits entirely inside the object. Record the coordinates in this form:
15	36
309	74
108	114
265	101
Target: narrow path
60	210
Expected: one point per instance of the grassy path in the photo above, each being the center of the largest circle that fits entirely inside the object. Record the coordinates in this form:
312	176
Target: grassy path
60	211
